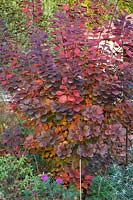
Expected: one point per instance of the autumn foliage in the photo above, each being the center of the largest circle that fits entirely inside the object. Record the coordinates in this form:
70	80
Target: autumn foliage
76	93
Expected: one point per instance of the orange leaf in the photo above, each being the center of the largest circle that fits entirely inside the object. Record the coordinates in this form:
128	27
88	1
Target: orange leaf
39	81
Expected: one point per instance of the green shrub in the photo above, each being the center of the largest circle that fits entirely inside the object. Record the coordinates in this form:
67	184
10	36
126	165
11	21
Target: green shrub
117	184
15	176
17	182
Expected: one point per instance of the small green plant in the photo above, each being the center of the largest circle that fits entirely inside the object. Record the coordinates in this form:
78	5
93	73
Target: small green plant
49	189
15	176
117	184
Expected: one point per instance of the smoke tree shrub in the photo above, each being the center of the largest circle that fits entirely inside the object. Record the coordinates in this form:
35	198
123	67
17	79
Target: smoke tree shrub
79	97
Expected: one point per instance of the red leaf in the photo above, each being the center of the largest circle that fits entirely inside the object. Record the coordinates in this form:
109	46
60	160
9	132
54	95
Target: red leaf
76	174
89	178
73	87
29	23
129	53
98	78
77	51
64	80
14	62
63	87
39	81
24	72
25	10
3	82
71	98
65	7
63	99
62	53
35	65
59	93
76	93
9	75
28	3
13	106
68	53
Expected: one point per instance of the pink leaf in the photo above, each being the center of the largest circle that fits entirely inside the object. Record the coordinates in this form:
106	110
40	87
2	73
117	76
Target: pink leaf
129	53
66	7
77	51
64	80
25	10
3	82
9	75
73	87
63	87
71	98
63	99
59	93
29	23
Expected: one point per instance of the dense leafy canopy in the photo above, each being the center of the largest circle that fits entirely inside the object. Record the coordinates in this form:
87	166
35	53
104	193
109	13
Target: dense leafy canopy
76	93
